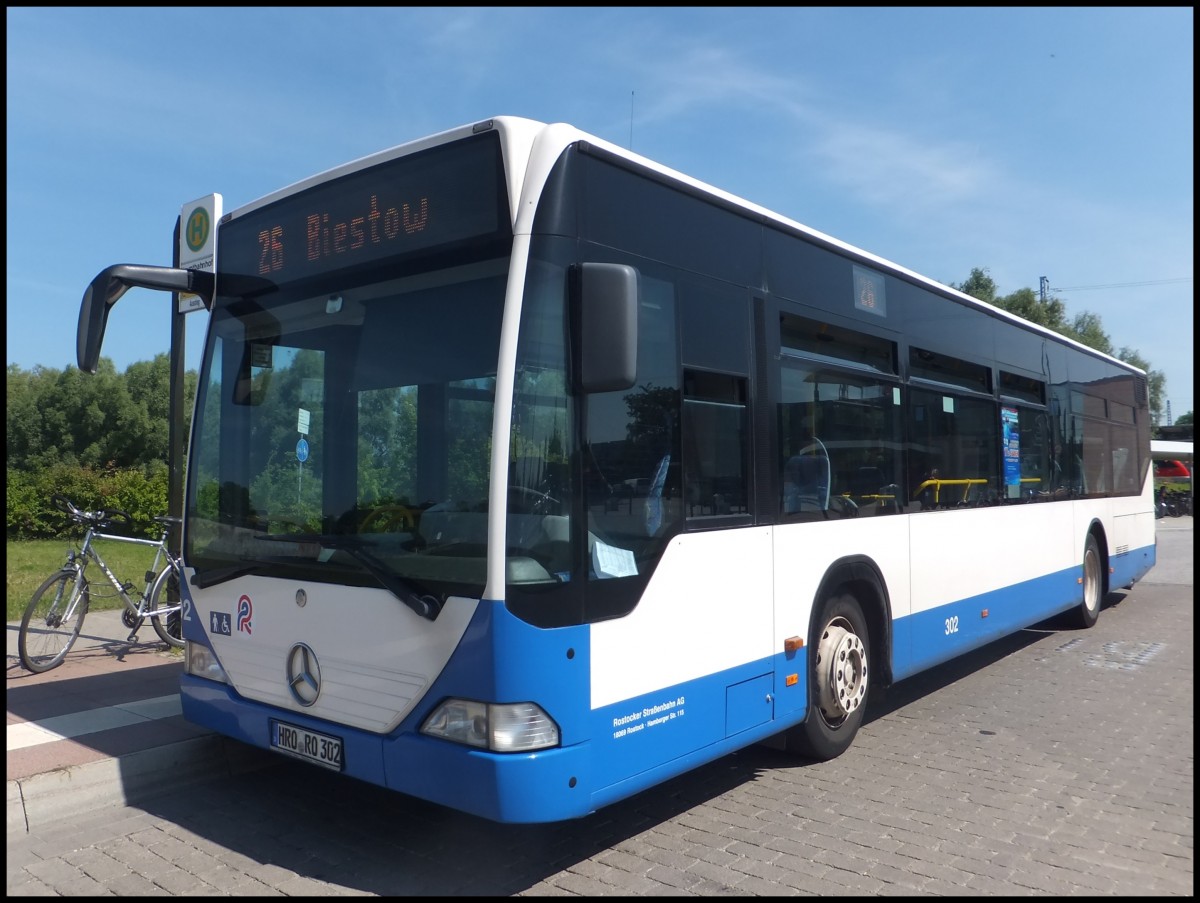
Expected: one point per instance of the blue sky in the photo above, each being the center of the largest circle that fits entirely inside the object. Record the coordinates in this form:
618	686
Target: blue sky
1027	142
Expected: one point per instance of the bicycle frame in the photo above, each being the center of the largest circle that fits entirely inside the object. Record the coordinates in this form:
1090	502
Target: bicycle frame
161	552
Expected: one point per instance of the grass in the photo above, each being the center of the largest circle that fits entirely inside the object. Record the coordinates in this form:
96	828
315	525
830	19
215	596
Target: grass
31	562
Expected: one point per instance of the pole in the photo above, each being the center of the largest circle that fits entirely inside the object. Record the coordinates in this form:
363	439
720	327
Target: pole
175	412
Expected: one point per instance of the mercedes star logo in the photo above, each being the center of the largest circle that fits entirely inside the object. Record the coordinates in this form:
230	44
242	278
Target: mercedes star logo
303	674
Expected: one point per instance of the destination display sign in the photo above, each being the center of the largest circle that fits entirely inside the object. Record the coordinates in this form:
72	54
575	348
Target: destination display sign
435	197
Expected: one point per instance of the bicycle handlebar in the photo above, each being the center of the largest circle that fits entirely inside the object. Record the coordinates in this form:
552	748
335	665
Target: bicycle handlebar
102	518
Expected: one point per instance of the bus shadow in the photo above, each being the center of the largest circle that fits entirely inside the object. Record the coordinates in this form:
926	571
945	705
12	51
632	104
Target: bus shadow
322	827
886	701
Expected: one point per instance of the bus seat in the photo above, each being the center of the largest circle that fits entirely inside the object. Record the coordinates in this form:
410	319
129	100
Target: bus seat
805	484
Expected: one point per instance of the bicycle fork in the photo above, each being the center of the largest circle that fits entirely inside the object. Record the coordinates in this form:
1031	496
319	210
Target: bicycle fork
61	613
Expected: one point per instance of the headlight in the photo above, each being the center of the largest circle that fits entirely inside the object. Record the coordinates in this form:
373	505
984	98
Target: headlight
199	661
514	727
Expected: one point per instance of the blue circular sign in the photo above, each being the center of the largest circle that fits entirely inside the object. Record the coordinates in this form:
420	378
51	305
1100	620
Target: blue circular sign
302	450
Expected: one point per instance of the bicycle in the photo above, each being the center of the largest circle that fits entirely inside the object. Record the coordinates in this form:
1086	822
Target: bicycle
1172	504
54	616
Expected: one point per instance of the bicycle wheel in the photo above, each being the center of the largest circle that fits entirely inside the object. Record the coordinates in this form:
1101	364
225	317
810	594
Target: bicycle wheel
53	620
164	607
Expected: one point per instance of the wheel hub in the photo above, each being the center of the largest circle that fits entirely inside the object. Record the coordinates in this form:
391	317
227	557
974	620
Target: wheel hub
841	671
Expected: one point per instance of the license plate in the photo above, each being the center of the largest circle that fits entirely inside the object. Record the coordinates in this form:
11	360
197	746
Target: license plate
302	743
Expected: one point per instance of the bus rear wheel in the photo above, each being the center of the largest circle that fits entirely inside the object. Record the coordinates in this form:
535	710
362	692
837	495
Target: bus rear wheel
1088	612
838	681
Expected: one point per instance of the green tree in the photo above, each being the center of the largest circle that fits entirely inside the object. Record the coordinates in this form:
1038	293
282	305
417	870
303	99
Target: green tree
109	420
149	387
1049	312
979	285
1025	303
67	417
1087	328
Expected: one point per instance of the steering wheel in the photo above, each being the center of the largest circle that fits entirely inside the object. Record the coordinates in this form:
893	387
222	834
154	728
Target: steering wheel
389	519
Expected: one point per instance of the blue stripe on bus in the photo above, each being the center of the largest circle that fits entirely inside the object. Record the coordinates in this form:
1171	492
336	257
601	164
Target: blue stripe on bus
932	637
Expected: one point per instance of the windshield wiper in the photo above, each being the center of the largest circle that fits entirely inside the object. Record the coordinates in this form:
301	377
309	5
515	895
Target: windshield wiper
423	603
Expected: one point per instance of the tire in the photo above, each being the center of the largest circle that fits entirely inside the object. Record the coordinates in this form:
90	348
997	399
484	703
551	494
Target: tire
1088	612
164	593
838	681
52	620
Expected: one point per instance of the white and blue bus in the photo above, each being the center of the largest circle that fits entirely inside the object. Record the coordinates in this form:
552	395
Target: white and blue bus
526	473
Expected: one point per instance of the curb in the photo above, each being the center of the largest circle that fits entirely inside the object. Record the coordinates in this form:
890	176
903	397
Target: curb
37	802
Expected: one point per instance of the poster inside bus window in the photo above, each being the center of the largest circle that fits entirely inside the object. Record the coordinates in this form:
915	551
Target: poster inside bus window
1012	450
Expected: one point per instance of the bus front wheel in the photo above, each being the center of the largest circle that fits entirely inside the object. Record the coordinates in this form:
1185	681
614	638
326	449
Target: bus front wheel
838	681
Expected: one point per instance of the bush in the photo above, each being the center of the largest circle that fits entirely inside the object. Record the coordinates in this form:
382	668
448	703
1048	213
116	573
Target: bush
140	491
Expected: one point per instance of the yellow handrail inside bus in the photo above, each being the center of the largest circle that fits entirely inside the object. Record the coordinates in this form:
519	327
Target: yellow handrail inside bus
937	485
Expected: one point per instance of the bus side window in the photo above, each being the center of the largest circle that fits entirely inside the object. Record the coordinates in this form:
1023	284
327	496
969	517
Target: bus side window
715	436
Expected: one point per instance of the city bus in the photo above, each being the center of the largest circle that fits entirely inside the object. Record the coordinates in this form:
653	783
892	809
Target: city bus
526	473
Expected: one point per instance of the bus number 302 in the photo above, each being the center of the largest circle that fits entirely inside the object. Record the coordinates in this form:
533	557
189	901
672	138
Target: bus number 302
951	625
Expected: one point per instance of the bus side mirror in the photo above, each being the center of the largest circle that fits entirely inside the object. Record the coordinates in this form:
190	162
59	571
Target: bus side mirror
605	327
113	282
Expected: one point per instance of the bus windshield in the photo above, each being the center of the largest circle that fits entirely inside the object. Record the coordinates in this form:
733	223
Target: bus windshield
349	376
328	424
